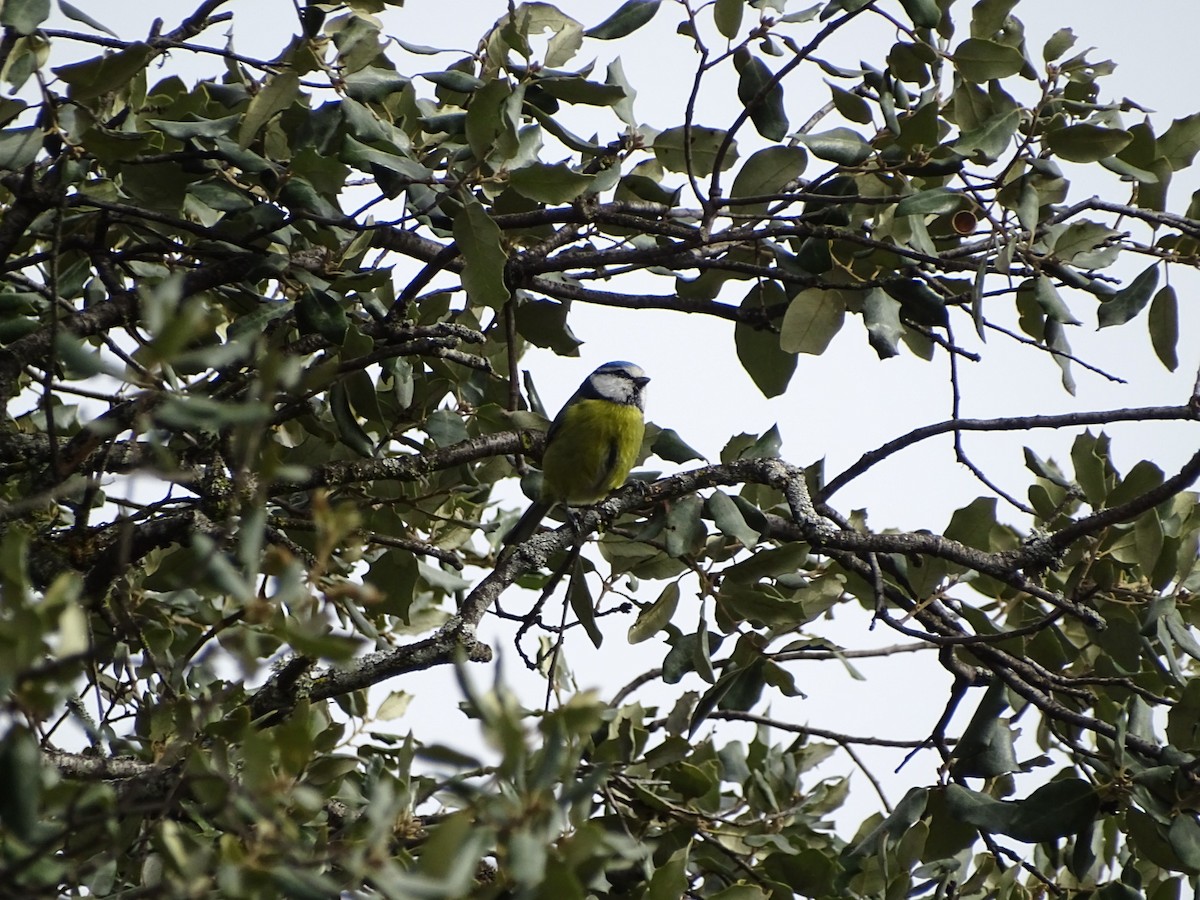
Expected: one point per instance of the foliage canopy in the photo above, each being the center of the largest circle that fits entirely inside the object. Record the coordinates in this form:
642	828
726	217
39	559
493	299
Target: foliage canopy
260	336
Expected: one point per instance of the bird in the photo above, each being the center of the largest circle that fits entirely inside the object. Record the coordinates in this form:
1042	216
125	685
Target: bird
592	443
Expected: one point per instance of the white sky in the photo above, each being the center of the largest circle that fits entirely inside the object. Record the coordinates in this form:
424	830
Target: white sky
841	404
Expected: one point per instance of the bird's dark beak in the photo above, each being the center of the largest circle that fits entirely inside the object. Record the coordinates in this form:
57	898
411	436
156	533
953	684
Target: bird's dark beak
641	382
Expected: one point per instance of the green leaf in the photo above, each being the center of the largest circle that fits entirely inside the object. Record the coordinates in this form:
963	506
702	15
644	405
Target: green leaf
319	312
24	16
670	149
1163	323
1180	142
615	75
629	17
479	241
986	748
670	446
881	314
727	15
1184	837
768	365
743	892
111	72
922	13
19	147
73	12
1084	143
575	89
20	783
1130	300
580	600
276	95
934	202
1051	301
767	171
654	618
979	60
557	183
839	145
1058	44
764	103
813	317
987	142
988	17
544	324
729	519
350	431
486	118
1054	810
194	128
685	532
669	881
454	80
852	106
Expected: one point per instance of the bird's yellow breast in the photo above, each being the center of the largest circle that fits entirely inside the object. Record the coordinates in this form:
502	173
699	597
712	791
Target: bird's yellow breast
591	451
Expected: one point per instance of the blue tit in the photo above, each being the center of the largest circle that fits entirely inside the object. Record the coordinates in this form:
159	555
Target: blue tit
592	443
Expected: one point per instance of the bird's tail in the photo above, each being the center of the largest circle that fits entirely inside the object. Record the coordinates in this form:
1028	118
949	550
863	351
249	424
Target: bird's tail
528	523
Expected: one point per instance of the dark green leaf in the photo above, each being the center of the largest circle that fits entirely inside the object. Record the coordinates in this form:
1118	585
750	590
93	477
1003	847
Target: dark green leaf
672	146
544	324
980	60
479	241
579	90
1051	302
20	783
763	99
990	139
73	12
1058	44
653	618
350	431
279	92
194	128
727	14
544	183
986	747
1164	326
758	349
19	147
1130	300
881	314
1085	142
922	13
111	72
580	600
1054	810
669	881
934	202
813	317
729	519
839	145
685	531
852	106
629	17
1184	837
766	172
1179	143
24	16
454	80
670	446
318	312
